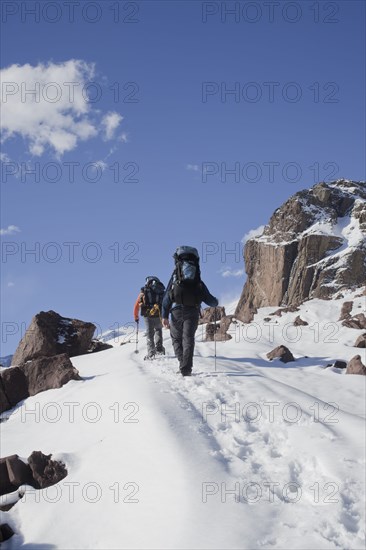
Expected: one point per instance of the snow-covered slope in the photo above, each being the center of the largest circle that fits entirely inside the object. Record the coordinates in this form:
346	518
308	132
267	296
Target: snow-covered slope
245	454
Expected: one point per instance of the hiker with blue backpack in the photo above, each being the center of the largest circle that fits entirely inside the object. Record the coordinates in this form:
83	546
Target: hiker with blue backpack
182	300
149	302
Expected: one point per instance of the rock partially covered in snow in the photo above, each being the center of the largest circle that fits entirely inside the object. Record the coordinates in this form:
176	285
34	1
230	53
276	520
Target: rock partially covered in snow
14	387
313	246
355	366
361	341
46	472
300	322
211	314
346	311
357	321
47	373
282	353
50	334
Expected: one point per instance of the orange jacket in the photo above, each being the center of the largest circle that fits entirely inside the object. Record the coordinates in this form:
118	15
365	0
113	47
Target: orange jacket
137	306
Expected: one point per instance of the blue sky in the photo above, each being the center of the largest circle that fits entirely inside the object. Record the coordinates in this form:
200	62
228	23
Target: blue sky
158	76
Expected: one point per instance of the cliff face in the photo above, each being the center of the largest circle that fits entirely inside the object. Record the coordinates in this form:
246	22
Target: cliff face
313	246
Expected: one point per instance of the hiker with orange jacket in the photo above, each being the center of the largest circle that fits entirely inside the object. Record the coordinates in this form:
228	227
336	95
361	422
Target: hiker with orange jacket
148	303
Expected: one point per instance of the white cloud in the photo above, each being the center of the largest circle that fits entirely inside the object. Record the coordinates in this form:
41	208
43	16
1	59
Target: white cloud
110	123
101	164
253	233
10	284
193	167
10	230
123	137
228	272
58	114
4	157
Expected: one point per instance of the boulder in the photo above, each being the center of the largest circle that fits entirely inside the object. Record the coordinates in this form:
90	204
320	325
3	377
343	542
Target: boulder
221	334
4	403
338	364
14	473
46	373
208	315
5	485
300	322
355	366
282	353
357	321
361	341
46	472
50	334
14	384
346	311
97	345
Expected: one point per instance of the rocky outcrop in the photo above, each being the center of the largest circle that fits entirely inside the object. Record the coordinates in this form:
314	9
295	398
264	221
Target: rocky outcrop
212	314
14	387
282	353
300	322
355	366
357	321
361	341
44	373
98	345
39	472
218	332
50	334
304	252
46	472
346	311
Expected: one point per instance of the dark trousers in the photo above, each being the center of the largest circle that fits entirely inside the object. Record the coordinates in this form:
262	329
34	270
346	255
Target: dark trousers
183	326
154	334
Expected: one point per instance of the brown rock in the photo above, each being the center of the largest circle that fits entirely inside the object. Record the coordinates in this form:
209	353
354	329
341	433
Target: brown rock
19	472
282	353
4	403
221	334
50	334
346	311
47	373
361	341
14	385
300	322
46	472
355	366
5	485
97	346
289	309
208	315
287	266
357	321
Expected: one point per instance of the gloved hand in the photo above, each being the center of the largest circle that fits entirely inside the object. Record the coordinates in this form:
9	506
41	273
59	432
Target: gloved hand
137	320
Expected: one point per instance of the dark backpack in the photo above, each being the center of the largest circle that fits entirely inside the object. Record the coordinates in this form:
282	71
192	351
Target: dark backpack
186	287
152	297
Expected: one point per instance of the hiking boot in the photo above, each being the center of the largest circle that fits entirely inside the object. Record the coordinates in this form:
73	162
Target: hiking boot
186	372
160	351
149	356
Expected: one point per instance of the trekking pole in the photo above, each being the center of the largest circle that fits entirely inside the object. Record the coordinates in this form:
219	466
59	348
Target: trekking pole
215	338
137	337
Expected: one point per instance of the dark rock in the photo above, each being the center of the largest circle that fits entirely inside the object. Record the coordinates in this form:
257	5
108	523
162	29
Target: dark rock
357	321
5	485
6	532
50	334
282	353
19	472
339	364
209	313
346	311
300	322
221	334
46	373
267	319
46	472
361	341
355	366
4	403
97	345
14	384
289	309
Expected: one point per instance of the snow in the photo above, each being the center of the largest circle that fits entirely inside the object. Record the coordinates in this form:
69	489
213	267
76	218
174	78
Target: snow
158	461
